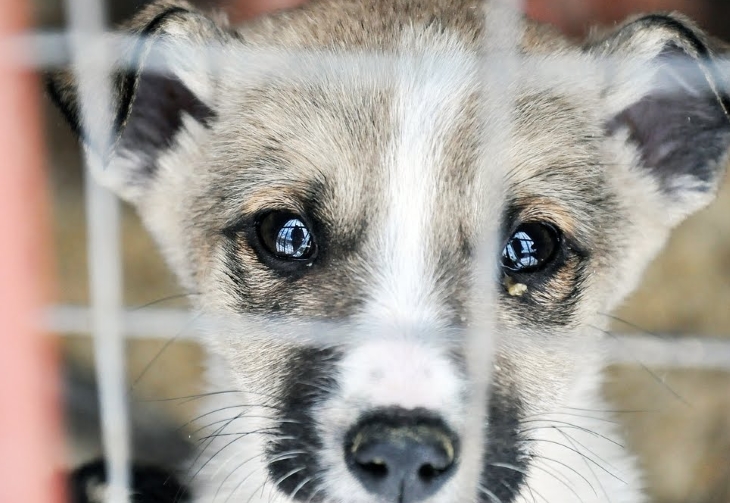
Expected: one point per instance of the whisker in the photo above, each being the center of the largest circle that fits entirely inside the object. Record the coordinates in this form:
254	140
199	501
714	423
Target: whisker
630	324
206	414
239	437
262	431
286	455
164	299
159	353
253	493
489	494
299	486
651	373
208	444
311	497
523	472
614	411
590	468
571	414
291	472
232	472
553	422
191	397
281	457
277	420
236	406
583	456
584	447
513	491
561	478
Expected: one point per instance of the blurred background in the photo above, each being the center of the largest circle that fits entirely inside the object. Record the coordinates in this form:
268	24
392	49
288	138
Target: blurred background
678	421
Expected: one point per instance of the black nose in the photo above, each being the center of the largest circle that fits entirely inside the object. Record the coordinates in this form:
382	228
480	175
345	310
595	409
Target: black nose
401	456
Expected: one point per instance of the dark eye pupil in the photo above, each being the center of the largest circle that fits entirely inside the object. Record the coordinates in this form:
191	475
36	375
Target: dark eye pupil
286	236
529	247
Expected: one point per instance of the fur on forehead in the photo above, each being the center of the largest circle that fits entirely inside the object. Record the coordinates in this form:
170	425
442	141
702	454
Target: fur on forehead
651	82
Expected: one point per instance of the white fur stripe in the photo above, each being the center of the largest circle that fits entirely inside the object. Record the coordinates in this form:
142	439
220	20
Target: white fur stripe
429	97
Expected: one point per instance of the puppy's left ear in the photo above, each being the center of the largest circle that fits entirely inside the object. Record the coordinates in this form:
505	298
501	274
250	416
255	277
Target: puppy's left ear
667	98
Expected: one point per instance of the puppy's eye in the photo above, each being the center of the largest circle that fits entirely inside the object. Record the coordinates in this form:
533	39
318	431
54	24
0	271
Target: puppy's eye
286	236
531	246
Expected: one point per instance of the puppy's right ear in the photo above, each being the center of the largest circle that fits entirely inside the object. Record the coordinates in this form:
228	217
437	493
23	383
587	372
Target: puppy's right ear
668	100
159	79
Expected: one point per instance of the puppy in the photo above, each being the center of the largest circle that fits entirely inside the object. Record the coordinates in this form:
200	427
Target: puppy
404	220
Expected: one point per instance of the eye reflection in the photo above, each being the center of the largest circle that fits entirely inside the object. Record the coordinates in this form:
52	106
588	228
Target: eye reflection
530	247
286	236
521	251
293	239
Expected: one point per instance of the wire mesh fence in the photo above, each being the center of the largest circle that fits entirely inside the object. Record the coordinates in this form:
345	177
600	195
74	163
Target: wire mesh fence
109	319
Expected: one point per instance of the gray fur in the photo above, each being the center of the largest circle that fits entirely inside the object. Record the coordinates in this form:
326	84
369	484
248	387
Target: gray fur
388	157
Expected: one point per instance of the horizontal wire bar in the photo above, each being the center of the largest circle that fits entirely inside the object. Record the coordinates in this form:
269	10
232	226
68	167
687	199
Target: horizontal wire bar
681	352
52	50
148	323
688	351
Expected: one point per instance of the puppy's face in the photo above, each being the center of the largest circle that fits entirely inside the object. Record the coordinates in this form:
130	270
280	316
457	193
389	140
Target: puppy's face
416	250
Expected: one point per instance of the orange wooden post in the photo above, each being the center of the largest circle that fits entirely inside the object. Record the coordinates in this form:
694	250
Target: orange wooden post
30	446
246	9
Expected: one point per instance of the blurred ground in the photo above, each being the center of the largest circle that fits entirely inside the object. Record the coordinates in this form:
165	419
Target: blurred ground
684	443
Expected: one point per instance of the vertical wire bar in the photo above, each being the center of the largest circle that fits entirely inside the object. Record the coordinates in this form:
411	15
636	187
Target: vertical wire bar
86	21
498	62
499	66
103	216
30	433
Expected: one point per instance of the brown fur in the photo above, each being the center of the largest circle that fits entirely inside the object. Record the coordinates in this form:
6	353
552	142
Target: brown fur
397	161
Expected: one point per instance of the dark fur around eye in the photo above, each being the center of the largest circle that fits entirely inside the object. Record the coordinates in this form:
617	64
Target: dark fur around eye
283	241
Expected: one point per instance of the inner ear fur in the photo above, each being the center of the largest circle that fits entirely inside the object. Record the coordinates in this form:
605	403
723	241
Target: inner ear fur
148	104
674	101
